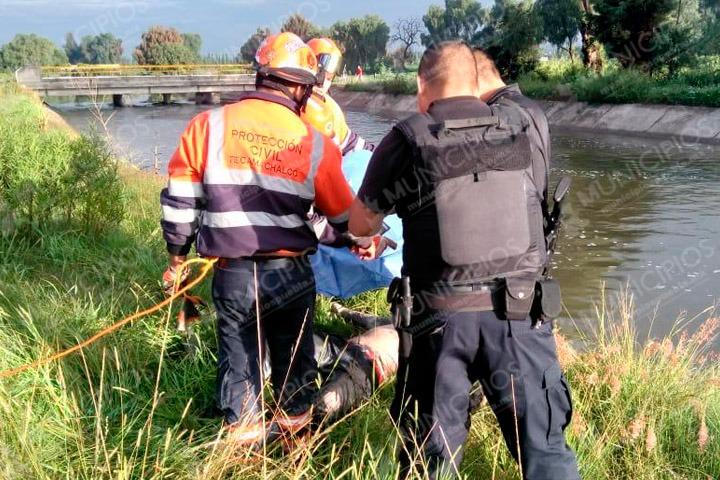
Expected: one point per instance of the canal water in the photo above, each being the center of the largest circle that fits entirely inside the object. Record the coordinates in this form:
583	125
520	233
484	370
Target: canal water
643	216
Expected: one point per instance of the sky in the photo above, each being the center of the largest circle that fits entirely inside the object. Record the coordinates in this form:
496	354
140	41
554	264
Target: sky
223	24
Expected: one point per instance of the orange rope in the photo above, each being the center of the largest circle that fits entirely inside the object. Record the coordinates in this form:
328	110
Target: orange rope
208	264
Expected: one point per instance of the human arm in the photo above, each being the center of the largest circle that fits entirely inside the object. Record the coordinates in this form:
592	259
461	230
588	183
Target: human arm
333	195
183	199
354	142
363	220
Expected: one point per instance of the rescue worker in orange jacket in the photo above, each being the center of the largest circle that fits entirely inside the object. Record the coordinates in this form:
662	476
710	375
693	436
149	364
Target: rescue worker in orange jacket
241	185
322	111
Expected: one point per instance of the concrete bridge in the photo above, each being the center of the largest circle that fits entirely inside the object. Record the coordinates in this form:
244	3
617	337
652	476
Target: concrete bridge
95	82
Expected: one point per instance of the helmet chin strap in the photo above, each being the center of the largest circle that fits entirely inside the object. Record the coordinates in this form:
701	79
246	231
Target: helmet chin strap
307	93
280	86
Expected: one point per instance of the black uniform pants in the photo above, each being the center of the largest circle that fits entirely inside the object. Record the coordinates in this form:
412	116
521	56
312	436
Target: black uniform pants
285	291
519	372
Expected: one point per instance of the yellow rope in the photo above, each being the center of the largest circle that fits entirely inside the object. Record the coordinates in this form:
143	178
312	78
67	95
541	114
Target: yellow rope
207	266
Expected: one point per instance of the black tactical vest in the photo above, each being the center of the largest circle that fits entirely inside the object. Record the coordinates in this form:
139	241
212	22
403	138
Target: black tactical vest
477	173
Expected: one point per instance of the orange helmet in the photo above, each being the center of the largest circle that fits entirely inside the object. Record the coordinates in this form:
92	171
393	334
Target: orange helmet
328	54
287	57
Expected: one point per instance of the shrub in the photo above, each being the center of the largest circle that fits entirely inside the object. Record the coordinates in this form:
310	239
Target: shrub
400	85
47	177
697	86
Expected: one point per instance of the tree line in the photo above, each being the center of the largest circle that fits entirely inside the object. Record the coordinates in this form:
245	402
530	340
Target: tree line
158	46
654	36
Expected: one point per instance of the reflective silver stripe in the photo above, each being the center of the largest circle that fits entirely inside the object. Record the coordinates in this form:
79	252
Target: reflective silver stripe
179	215
342	218
320	226
251	219
318	149
216	140
343	145
180	188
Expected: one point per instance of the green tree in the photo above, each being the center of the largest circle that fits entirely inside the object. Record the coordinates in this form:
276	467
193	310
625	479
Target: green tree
512	35
101	49
680	38
251	45
171	54
364	40
457	20
561	22
592	50
72	49
30	50
628	28
94	49
302	27
164	46
193	41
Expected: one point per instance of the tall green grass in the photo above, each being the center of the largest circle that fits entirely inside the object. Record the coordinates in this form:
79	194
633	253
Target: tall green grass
560	79
136	406
49	175
563	80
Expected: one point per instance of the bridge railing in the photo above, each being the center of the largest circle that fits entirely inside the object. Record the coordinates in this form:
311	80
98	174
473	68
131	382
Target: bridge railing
149	70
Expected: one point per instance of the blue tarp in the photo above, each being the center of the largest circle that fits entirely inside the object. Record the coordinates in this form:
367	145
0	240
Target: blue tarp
339	273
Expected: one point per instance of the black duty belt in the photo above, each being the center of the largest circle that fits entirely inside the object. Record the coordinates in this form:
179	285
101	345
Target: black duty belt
473	297
273	263
476	301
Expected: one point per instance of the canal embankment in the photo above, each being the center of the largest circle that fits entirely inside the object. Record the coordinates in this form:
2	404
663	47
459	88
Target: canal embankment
682	123
139	387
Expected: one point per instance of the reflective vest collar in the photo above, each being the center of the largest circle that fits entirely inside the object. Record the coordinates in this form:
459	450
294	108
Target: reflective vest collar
270	97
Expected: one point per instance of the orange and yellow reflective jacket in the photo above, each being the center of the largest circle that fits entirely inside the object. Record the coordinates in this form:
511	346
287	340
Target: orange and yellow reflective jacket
323	113
245	177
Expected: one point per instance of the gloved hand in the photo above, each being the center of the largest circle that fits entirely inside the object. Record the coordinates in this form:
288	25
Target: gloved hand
371	248
173	279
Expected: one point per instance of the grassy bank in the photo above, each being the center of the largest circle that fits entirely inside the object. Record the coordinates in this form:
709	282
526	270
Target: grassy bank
136	406
562	80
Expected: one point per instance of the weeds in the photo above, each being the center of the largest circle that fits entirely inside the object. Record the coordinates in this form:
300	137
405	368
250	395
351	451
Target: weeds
647	410
563	80
49	178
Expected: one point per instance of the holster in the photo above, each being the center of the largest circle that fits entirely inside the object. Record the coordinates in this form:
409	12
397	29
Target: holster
394	298
519	297
548	298
400	298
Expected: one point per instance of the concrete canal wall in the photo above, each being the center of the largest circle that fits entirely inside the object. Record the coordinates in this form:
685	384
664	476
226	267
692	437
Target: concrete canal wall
683	124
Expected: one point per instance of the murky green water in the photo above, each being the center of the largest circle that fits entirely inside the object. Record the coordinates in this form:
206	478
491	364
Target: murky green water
643	216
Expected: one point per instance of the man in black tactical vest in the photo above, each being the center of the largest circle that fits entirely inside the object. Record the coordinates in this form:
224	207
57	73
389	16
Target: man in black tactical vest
469	182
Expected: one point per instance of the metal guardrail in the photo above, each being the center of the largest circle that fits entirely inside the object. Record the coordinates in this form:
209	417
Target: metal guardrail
132	70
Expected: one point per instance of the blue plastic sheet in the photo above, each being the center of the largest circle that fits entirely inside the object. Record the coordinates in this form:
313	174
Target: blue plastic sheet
338	272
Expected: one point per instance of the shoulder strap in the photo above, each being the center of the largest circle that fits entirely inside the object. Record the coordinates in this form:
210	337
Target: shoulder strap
528	119
415	126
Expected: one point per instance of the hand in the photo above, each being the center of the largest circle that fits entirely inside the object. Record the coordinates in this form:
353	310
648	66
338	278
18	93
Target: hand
373	248
173	277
